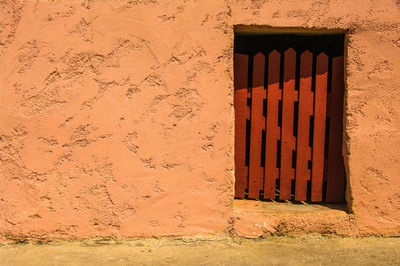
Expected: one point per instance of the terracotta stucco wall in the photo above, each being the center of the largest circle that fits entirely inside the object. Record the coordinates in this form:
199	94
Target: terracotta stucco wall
116	117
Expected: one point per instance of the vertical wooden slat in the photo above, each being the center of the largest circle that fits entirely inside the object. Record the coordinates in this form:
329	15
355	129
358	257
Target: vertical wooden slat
336	172
321	82
271	172
242	113
257	125
327	127
288	141
306	104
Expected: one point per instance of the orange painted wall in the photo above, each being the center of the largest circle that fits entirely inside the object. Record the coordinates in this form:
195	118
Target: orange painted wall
116	117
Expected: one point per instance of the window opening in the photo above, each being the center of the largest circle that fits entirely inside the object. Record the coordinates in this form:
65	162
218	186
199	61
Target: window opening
288	101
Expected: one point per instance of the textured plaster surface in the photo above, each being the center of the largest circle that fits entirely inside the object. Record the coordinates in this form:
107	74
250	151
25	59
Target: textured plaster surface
116	117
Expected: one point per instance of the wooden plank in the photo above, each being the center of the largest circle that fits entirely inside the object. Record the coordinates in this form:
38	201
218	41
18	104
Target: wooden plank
336	171
288	141
321	82
274	94
257	125
306	105
242	113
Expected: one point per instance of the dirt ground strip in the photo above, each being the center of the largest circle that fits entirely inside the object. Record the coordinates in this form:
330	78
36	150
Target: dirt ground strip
208	250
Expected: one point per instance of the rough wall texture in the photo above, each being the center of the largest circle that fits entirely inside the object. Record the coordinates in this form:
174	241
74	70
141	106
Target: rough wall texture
116	117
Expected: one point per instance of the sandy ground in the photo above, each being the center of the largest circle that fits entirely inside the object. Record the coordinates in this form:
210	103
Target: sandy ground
213	250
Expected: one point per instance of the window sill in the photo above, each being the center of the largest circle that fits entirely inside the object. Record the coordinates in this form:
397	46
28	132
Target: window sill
254	218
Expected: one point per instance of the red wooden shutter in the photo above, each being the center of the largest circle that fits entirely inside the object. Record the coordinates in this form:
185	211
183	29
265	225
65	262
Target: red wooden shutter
292	157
